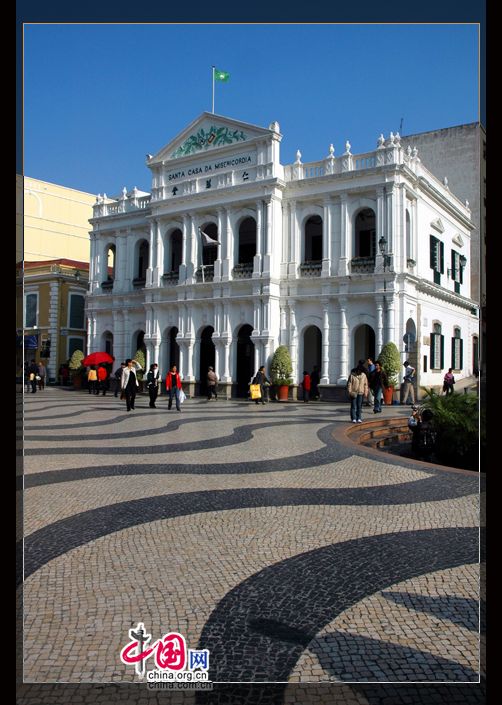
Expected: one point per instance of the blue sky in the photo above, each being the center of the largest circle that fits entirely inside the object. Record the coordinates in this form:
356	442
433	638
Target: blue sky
97	98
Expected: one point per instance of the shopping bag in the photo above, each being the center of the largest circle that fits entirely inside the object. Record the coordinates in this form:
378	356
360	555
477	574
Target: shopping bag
182	396
255	391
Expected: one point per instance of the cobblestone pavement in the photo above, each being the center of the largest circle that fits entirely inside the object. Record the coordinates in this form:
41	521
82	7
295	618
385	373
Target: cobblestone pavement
313	571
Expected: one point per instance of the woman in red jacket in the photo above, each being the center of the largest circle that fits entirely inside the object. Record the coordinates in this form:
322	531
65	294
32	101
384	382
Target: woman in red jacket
173	386
306	387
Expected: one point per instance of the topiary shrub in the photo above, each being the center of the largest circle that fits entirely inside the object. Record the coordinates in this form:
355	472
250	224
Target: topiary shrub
281	367
390	361
75	363
140	358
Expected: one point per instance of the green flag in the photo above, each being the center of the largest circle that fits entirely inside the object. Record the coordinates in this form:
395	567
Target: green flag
221	75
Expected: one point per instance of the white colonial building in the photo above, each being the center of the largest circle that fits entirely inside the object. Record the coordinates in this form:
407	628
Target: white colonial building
332	259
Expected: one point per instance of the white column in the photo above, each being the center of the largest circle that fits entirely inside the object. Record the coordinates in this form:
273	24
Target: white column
343	264
325	343
257	324
293	339
221	238
380	227
379	330
326	239
226	372
126	336
293	242
130	263
257	261
159	255
390	220
152	241
185	244
344	342
283	333
267	236
389	333
230	240
257	356
227	263
195	246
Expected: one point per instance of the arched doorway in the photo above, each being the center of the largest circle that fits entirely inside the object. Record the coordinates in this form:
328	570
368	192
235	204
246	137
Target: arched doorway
312	349
138	343
207	357
364	344
174	348
245	360
313	240
107	342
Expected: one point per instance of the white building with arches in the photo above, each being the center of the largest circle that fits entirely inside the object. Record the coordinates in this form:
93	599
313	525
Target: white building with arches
233	253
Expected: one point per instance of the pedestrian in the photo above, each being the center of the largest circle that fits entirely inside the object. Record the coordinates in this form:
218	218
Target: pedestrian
306	384
27	376
370	368
33	374
102	380
173	386
448	382
118	376
42	373
409	378
212	382
261	379
153	380
314	383
378	382
65	374
357	387
92	380
414	424
129	382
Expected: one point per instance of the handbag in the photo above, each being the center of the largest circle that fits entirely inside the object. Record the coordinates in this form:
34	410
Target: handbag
255	391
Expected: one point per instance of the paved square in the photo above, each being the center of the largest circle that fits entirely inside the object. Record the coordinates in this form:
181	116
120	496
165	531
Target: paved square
251	531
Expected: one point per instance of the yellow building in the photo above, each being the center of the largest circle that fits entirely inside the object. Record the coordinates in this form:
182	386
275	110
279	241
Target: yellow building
56	222
50	320
52	255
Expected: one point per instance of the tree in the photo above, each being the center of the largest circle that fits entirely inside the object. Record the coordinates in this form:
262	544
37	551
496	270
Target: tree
391	363
281	367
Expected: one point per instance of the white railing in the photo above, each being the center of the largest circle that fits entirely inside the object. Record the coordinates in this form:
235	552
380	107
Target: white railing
365	161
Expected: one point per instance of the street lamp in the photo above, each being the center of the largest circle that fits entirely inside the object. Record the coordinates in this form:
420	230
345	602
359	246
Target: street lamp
382	244
463	261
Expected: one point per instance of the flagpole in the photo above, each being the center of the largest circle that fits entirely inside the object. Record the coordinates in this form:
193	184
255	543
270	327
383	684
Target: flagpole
213	88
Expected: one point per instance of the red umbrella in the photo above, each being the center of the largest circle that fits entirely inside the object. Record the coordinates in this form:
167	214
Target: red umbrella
96	358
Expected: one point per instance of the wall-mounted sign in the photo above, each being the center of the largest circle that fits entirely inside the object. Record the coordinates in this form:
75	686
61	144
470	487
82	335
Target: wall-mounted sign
210	168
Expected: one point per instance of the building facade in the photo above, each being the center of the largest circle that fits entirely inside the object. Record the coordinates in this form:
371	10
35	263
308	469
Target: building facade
233	253
50	317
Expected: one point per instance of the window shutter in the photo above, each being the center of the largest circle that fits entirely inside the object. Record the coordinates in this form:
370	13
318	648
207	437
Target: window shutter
433	252
461	272
433	349
441	257
452	363
453	266
461	354
442	352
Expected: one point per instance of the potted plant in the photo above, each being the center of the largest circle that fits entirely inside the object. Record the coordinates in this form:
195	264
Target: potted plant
282	369
390	361
76	368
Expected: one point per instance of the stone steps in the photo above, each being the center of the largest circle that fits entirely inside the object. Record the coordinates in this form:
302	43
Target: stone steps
380	432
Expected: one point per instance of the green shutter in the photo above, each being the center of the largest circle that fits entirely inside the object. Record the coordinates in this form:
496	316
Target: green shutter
453	266
433	252
433	350
442	353
461	354
461	273
452	363
441	257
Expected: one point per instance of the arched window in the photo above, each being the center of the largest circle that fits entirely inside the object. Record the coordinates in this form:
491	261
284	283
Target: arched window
457	350
313	240
437	347
110	262
365	234
209	250
175	250
141	263
247	241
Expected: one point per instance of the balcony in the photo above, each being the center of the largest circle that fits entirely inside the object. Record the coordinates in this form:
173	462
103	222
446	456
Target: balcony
170	278
243	271
139	282
362	265
107	285
311	268
205	273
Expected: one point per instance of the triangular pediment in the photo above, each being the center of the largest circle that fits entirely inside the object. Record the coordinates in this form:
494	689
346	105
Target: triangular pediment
458	240
208	133
438	225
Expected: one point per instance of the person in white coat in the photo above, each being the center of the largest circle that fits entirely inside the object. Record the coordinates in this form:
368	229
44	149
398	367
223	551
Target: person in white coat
129	382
